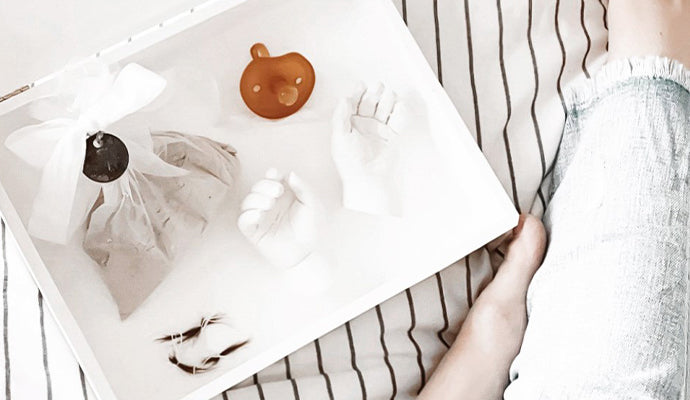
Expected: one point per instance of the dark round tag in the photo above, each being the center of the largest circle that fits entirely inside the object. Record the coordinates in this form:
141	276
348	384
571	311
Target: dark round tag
106	158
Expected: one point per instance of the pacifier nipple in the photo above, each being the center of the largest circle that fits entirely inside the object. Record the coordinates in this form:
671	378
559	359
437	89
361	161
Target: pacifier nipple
288	95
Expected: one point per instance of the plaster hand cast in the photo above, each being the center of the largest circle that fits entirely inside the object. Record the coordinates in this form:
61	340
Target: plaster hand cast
366	151
281	217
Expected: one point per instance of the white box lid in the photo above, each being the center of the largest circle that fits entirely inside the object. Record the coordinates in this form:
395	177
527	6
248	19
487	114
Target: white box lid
39	37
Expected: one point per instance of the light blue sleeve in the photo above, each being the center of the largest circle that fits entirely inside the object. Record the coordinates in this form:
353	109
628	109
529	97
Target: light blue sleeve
608	310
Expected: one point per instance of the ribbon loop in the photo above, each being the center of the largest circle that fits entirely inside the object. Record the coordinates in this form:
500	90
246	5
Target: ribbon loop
57	146
87	126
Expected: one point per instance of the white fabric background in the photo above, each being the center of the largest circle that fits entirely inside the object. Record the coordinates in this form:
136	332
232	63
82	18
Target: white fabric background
503	63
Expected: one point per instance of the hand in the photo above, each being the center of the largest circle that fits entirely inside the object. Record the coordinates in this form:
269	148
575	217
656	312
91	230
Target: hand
366	151
280	216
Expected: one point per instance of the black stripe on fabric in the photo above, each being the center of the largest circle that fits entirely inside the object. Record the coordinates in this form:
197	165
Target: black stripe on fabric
540	195
473	85
288	375
589	40
353	360
563	56
442	298
386	355
259	389
5	309
606	22
322	371
413	325
509	109
439	68
404	11
468	281
49	385
533	108
84	392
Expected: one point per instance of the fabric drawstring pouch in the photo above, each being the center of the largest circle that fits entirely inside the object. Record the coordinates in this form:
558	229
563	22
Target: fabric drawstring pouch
139	195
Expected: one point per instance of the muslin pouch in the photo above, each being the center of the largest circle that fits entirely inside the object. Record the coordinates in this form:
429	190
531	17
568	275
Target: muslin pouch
140	222
139	196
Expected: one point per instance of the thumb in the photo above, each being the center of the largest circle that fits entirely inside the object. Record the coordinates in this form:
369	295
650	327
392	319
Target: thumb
346	109
301	190
342	117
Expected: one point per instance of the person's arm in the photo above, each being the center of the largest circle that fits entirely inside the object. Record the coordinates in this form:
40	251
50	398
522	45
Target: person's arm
640	28
476	366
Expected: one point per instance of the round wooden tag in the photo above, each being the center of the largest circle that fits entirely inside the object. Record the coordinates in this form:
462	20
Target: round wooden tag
106	158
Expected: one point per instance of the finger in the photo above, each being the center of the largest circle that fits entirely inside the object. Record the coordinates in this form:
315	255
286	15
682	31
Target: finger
258	201
273	174
248	222
357	94
346	108
342	117
386	106
269	187
369	101
301	190
521	224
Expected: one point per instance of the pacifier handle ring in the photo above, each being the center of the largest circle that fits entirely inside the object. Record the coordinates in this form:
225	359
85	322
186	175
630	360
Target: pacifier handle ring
259	50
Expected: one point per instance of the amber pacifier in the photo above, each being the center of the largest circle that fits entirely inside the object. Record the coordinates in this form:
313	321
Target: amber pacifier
275	87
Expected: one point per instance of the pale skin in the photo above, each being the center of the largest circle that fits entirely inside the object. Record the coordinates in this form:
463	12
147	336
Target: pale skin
477	365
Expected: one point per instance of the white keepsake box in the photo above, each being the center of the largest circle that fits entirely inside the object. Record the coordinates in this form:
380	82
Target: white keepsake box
447	200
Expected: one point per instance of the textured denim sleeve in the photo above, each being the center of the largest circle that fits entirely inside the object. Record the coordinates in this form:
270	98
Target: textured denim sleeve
608	310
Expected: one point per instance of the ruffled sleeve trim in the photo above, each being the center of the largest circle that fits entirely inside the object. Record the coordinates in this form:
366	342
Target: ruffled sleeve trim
617	72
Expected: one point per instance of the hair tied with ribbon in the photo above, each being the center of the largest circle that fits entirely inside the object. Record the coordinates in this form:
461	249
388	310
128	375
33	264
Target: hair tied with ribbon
77	157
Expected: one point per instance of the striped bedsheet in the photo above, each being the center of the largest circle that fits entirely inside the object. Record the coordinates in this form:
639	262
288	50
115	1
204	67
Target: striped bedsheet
505	65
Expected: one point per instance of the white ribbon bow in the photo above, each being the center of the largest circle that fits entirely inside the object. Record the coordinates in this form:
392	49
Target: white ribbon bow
58	146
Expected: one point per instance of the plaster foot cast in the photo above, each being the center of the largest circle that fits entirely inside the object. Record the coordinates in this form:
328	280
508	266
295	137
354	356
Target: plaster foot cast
366	151
280	217
200	348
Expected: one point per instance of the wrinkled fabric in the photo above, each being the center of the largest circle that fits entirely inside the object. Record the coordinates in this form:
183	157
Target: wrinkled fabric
608	310
141	221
